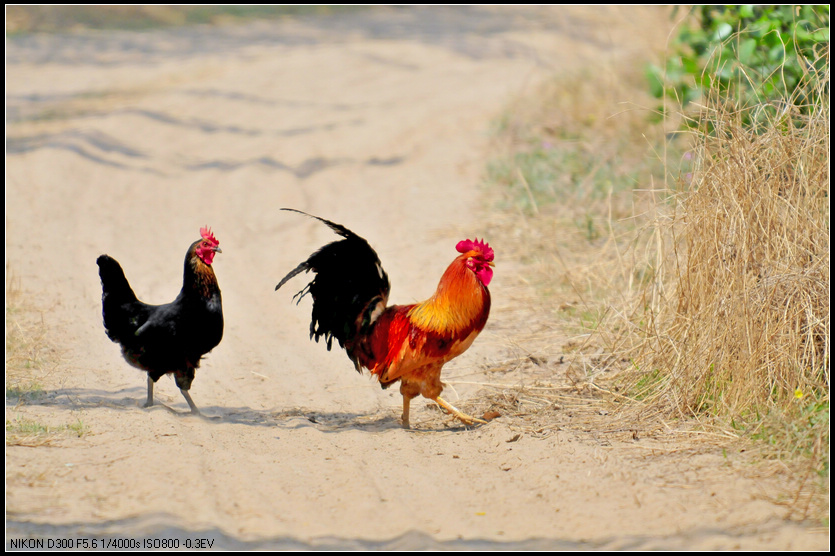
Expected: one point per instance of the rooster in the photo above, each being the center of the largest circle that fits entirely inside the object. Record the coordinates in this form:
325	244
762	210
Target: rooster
171	338
409	343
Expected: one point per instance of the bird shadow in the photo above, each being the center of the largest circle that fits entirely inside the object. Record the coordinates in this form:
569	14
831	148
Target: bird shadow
133	399
334	421
382	420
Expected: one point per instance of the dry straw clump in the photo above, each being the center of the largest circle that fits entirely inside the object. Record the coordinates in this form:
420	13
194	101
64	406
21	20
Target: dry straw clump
737	318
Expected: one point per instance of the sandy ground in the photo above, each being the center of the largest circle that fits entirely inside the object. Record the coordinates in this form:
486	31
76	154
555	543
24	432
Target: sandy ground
127	143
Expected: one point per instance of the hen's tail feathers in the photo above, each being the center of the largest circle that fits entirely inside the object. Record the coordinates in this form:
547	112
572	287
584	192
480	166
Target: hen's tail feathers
115	287
116	293
349	279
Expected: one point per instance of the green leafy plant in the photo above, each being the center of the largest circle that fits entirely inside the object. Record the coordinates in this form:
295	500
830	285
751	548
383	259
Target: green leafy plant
755	54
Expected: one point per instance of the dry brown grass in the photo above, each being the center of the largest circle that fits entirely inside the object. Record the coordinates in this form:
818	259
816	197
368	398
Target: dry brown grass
732	330
749	257
735	328
742	320
30	358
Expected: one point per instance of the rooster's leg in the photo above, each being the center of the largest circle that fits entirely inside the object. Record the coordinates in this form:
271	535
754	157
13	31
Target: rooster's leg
466	419
190	402
408	390
150	401
405	415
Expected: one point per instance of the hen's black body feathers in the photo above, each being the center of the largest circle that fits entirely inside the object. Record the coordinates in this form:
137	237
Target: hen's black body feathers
162	339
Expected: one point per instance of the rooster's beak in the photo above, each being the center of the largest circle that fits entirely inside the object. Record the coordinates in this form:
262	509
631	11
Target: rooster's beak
491	263
217	250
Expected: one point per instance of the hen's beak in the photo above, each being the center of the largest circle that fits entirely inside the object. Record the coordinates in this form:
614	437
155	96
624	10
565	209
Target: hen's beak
491	263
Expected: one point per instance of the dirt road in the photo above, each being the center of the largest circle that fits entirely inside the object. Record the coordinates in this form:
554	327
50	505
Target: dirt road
128	143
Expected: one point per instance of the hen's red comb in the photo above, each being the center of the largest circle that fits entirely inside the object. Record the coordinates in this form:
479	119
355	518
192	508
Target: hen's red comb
206	233
480	246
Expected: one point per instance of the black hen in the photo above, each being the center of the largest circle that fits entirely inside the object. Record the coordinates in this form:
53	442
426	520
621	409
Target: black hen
350	276
170	338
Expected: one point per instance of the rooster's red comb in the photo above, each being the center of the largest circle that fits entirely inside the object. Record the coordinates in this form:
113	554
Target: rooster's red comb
206	233
480	246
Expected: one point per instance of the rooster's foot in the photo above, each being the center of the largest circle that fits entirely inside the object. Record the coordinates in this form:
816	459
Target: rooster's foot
457	413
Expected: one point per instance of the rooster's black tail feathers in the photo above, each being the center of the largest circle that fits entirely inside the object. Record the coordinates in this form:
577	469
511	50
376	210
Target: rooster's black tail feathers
348	277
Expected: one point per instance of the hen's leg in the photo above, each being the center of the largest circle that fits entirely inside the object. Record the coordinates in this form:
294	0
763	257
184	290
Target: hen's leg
184	379
190	402
466	419
150	401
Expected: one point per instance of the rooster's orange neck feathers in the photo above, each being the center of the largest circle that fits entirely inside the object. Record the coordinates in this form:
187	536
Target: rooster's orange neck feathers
460	302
